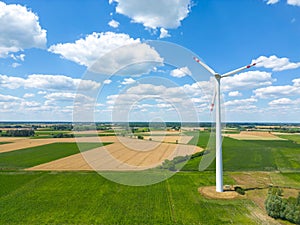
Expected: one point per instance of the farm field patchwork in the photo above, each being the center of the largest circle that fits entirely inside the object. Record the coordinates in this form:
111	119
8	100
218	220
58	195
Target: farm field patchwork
36	197
29	157
128	154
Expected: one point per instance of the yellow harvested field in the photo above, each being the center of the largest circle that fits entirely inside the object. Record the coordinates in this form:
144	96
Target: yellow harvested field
20	143
170	139
125	154
253	135
163	132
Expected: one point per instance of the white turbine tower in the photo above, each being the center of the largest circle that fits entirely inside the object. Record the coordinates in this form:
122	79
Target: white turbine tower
219	164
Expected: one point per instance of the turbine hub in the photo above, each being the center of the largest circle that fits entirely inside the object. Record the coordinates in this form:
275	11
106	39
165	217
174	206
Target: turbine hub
217	76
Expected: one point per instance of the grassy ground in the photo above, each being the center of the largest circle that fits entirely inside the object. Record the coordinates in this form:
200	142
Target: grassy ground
2	143
294	137
252	155
29	157
50	132
87	198
199	138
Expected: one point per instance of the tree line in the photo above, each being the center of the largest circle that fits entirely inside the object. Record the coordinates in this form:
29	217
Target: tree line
18	133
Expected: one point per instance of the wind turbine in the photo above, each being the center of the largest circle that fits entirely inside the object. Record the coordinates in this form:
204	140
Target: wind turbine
219	163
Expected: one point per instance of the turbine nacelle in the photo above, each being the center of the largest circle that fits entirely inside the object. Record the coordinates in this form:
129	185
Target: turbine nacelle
218	76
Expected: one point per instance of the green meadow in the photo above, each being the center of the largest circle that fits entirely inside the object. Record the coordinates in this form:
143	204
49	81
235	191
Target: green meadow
255	155
88	198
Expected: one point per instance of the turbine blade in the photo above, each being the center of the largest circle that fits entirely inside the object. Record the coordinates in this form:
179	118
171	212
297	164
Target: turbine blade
213	101
238	70
205	66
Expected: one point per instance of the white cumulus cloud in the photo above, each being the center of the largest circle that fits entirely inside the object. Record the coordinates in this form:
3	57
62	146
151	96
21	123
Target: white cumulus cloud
9	98
296	82
114	23
135	59
294	2
149	97
19	29
271	2
47	82
108	81
275	63
277	91
241	102
155	13
28	95
128	81
86	51
281	102
246	80
120	50
181	72
53	98
164	33
234	94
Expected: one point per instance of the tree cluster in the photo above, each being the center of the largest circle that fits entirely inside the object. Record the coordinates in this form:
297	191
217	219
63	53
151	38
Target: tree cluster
171	164
18	133
282	208
62	127
62	135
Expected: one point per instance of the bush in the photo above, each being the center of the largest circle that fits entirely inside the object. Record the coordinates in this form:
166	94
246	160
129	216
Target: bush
239	190
167	164
62	135
179	159
140	137
198	154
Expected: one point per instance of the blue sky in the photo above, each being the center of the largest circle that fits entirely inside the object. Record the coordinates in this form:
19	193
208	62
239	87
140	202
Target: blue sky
61	60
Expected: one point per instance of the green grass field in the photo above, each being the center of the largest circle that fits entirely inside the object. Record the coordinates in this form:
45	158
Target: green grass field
2	143
50	132
29	157
294	137
87	198
199	138
255	155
